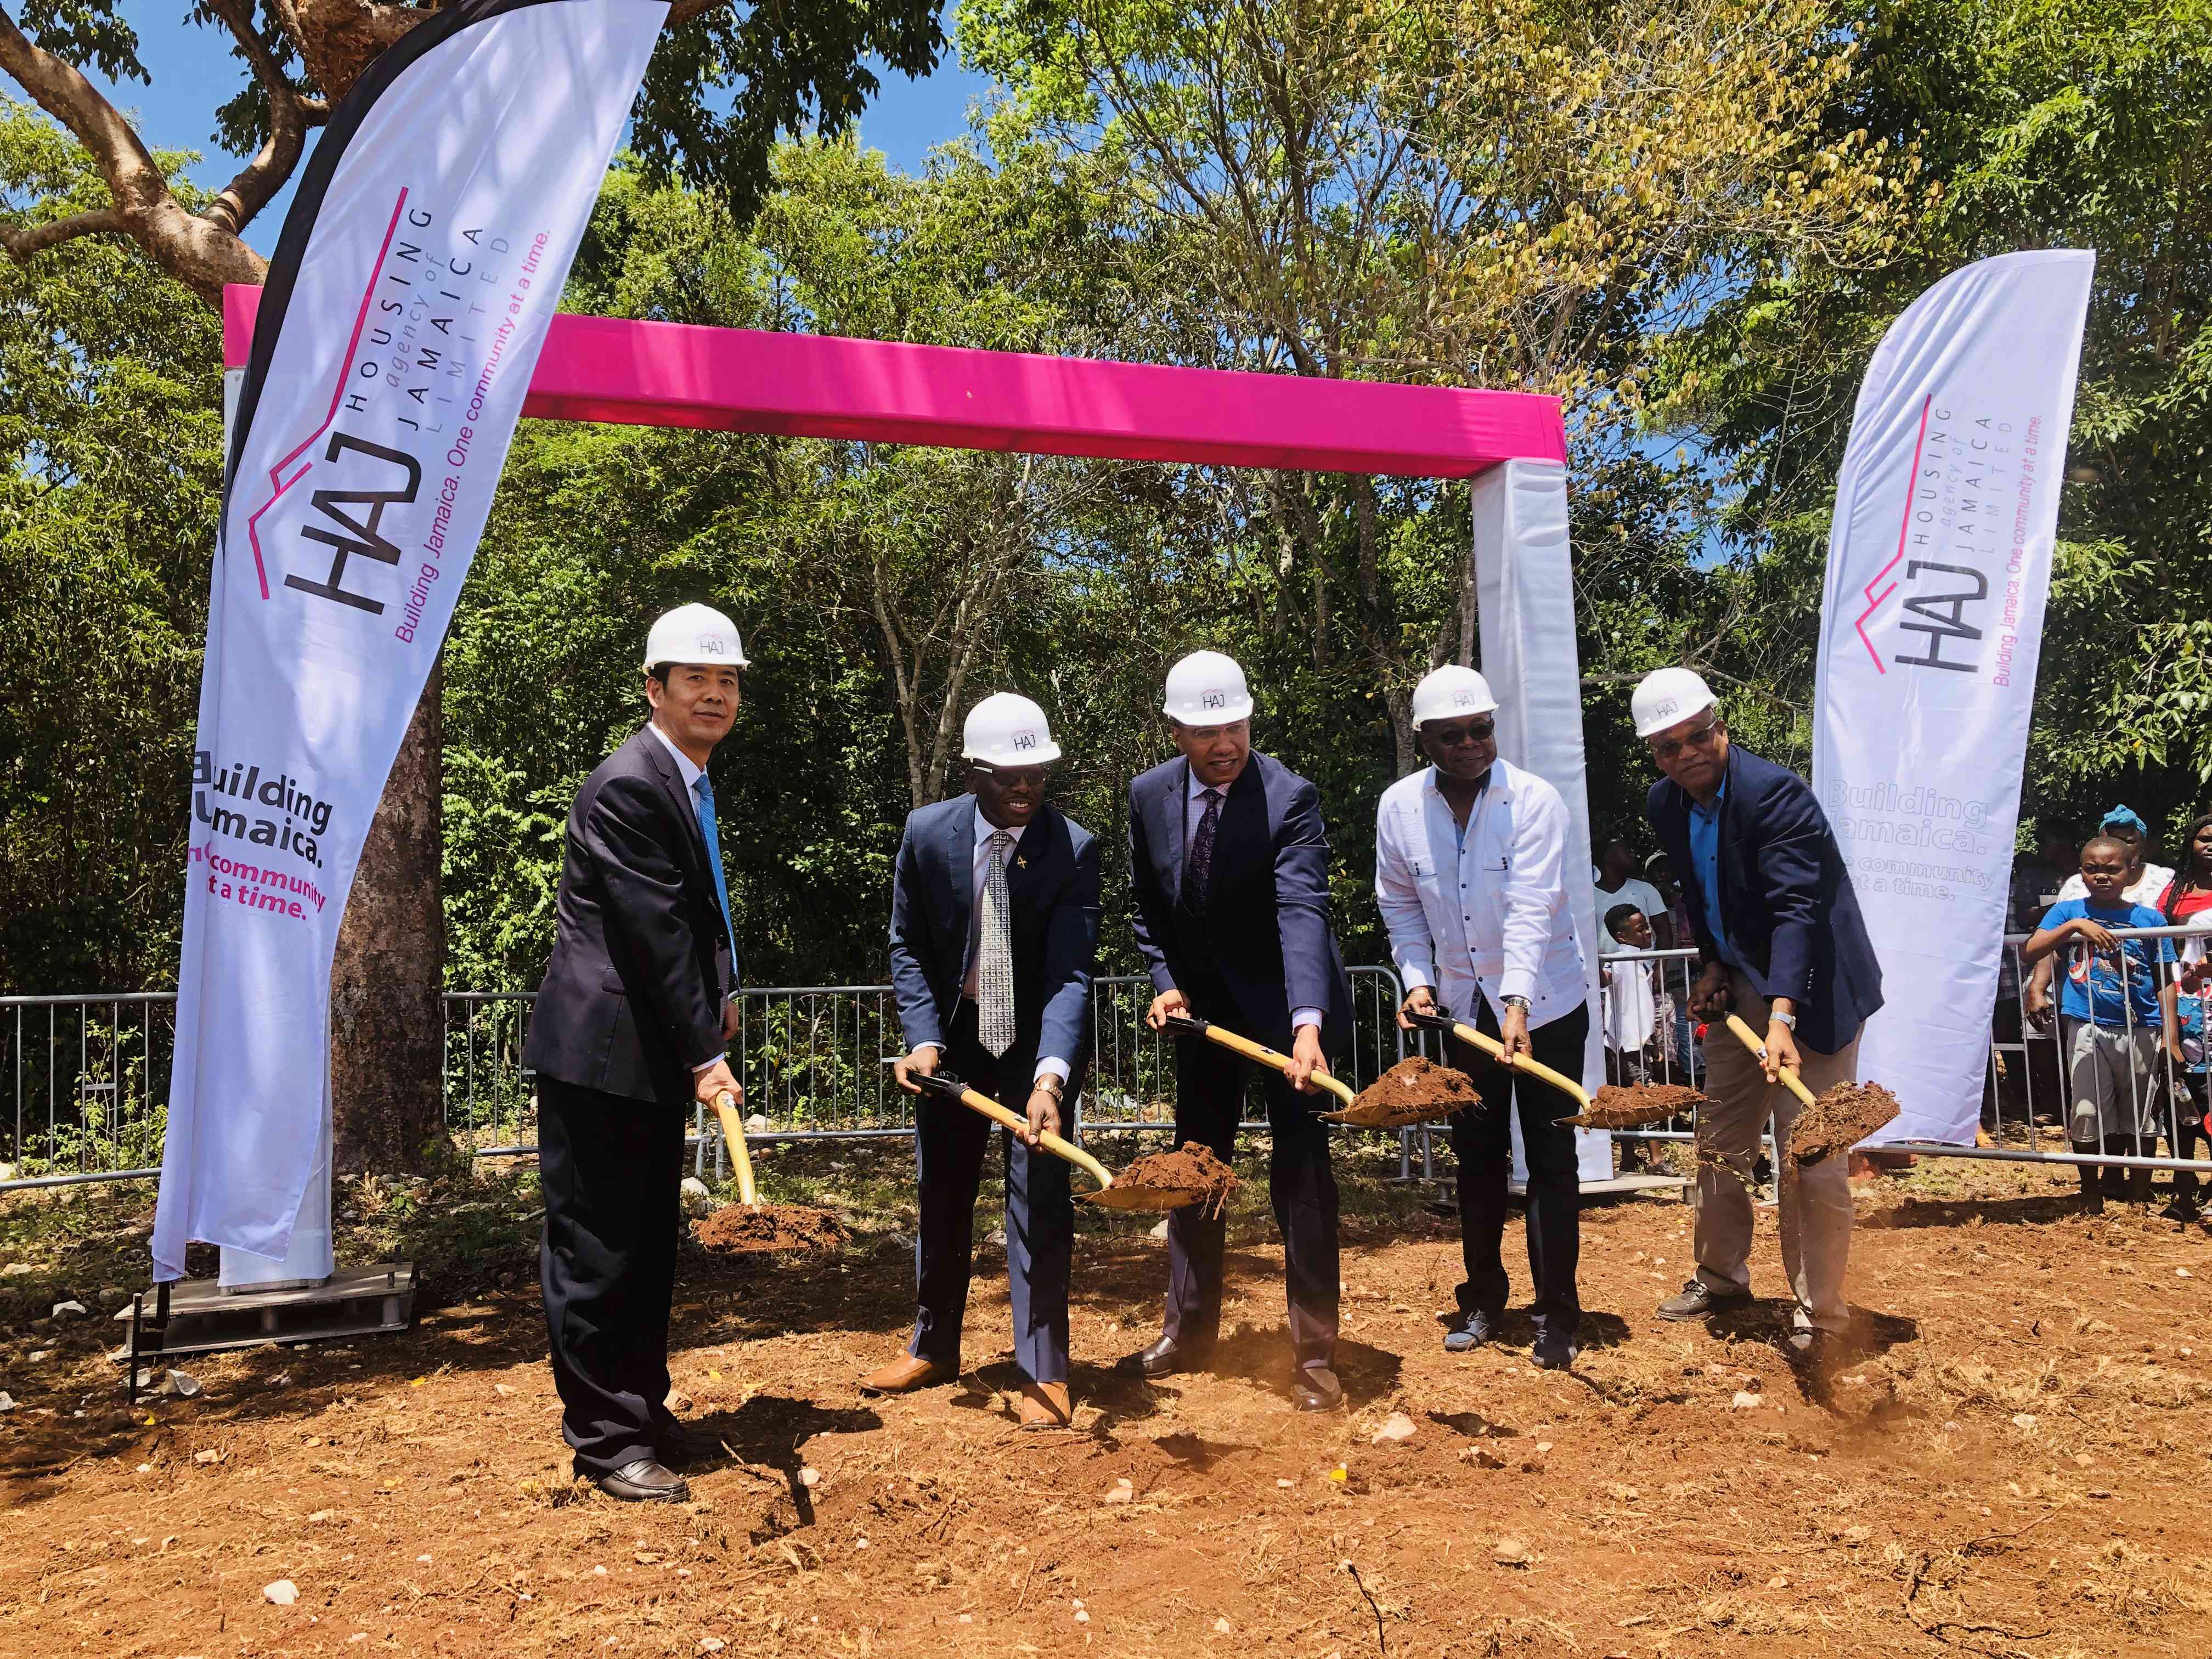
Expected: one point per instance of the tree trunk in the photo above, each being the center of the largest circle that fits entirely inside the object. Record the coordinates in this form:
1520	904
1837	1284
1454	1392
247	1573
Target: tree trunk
388	983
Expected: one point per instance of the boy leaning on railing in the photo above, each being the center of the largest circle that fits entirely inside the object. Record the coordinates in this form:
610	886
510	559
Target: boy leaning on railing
2112	1016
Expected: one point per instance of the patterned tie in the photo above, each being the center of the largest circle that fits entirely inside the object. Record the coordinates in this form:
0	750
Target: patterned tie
995	955
1198	868
702	797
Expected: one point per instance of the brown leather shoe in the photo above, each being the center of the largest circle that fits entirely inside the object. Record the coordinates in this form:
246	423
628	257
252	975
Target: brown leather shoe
1045	1406
906	1373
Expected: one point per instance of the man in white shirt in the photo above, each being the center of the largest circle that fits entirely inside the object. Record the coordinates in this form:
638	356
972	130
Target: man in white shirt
1470	873
994	938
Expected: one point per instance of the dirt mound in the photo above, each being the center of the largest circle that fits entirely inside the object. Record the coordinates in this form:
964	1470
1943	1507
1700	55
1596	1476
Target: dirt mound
1615	1107
771	1227
1415	1090
1190	1168
1840	1118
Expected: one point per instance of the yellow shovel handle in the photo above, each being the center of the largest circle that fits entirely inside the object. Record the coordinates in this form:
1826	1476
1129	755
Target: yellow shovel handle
1789	1075
1053	1144
1266	1056
734	1133
1535	1069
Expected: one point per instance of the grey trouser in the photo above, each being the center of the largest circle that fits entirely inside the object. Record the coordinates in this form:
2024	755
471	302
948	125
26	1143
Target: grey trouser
2112	1077
1815	1203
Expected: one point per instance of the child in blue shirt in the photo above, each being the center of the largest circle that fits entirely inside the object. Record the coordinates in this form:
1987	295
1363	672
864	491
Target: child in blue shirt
2112	1018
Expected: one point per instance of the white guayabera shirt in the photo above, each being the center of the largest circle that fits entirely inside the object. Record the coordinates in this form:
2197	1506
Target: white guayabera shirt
1488	919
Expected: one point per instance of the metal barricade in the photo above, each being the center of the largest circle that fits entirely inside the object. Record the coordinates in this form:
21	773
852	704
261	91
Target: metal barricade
89	1078
2027	1098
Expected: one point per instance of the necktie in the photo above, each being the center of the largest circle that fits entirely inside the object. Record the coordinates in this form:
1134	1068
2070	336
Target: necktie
995	955
1198	868
702	798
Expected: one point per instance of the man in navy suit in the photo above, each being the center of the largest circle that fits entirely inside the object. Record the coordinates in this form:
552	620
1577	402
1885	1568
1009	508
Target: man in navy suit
1780	943
1228	867
627	1033
994	939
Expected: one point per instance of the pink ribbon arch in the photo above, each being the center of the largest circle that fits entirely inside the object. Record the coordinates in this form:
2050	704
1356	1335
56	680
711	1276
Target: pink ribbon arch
815	386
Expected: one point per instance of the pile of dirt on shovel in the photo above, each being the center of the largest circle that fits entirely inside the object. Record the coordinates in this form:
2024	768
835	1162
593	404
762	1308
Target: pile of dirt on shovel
1190	1168
1840	1119
1416	1090
1631	1107
734	1229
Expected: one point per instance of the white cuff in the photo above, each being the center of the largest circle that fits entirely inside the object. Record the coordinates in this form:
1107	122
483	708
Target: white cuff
709	1065
1517	982
1416	975
1302	1017
1053	1065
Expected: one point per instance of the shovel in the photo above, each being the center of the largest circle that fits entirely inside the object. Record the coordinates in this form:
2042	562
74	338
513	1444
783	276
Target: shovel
945	1085
1789	1078
733	1135
1443	1021
1262	1056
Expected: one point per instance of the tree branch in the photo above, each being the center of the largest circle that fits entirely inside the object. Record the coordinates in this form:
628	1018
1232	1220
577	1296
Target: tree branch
22	244
199	254
290	114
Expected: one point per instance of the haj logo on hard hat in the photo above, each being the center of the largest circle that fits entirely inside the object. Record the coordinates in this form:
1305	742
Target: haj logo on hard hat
1462	699
1213	700
1025	740
710	646
1665	707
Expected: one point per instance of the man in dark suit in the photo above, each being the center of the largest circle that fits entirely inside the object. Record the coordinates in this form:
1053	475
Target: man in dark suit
628	1032
1780	942
1228	867
994	939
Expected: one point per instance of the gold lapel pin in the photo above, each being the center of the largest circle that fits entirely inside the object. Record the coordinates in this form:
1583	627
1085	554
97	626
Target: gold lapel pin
1020	864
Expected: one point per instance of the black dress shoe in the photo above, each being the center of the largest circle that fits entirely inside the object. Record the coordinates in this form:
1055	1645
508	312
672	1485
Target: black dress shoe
1555	1351
644	1482
1164	1359
1317	1390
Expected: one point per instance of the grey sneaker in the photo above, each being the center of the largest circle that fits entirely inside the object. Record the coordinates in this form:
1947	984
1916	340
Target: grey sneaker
1475	1329
1698	1300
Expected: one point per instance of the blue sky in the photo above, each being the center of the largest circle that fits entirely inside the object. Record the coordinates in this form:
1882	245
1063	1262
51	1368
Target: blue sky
193	72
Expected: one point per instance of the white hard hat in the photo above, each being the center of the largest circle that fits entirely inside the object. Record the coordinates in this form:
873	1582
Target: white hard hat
1208	689
694	633
1007	729
1668	697
1451	693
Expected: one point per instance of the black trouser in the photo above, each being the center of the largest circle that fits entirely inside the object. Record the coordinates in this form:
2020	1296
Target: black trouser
610	1168
2188	1106
949	1145
1482	1143
1209	1102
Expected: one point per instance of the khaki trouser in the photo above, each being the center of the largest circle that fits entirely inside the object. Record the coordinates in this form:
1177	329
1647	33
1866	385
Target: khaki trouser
1815	1204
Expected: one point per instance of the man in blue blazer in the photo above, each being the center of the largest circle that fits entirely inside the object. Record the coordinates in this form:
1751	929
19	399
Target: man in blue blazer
1229	868
995	940
1780	943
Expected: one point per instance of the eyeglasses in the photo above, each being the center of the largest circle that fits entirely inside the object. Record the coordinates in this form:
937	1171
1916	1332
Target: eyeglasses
1703	737
1450	737
1014	777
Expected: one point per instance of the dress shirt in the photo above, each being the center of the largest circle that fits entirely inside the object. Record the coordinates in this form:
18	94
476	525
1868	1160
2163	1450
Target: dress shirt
690	771
1193	810
978	872
1483	916
1706	854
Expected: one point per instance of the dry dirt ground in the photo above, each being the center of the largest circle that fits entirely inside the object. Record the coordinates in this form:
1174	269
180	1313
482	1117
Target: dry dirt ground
2014	1462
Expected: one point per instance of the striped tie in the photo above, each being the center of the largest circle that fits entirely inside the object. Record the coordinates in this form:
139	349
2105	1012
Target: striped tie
995	955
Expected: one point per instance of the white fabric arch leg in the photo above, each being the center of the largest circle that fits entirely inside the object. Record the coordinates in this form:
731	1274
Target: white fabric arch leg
1525	587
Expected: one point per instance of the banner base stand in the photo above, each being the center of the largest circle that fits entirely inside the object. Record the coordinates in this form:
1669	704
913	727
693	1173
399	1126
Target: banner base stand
205	1318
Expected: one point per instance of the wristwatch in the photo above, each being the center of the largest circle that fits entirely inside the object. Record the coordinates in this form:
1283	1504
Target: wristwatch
1521	1003
1049	1082
1789	1020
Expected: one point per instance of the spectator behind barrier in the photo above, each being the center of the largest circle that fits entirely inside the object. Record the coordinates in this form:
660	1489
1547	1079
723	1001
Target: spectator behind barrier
1630	1011
2110	1016
2187	902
